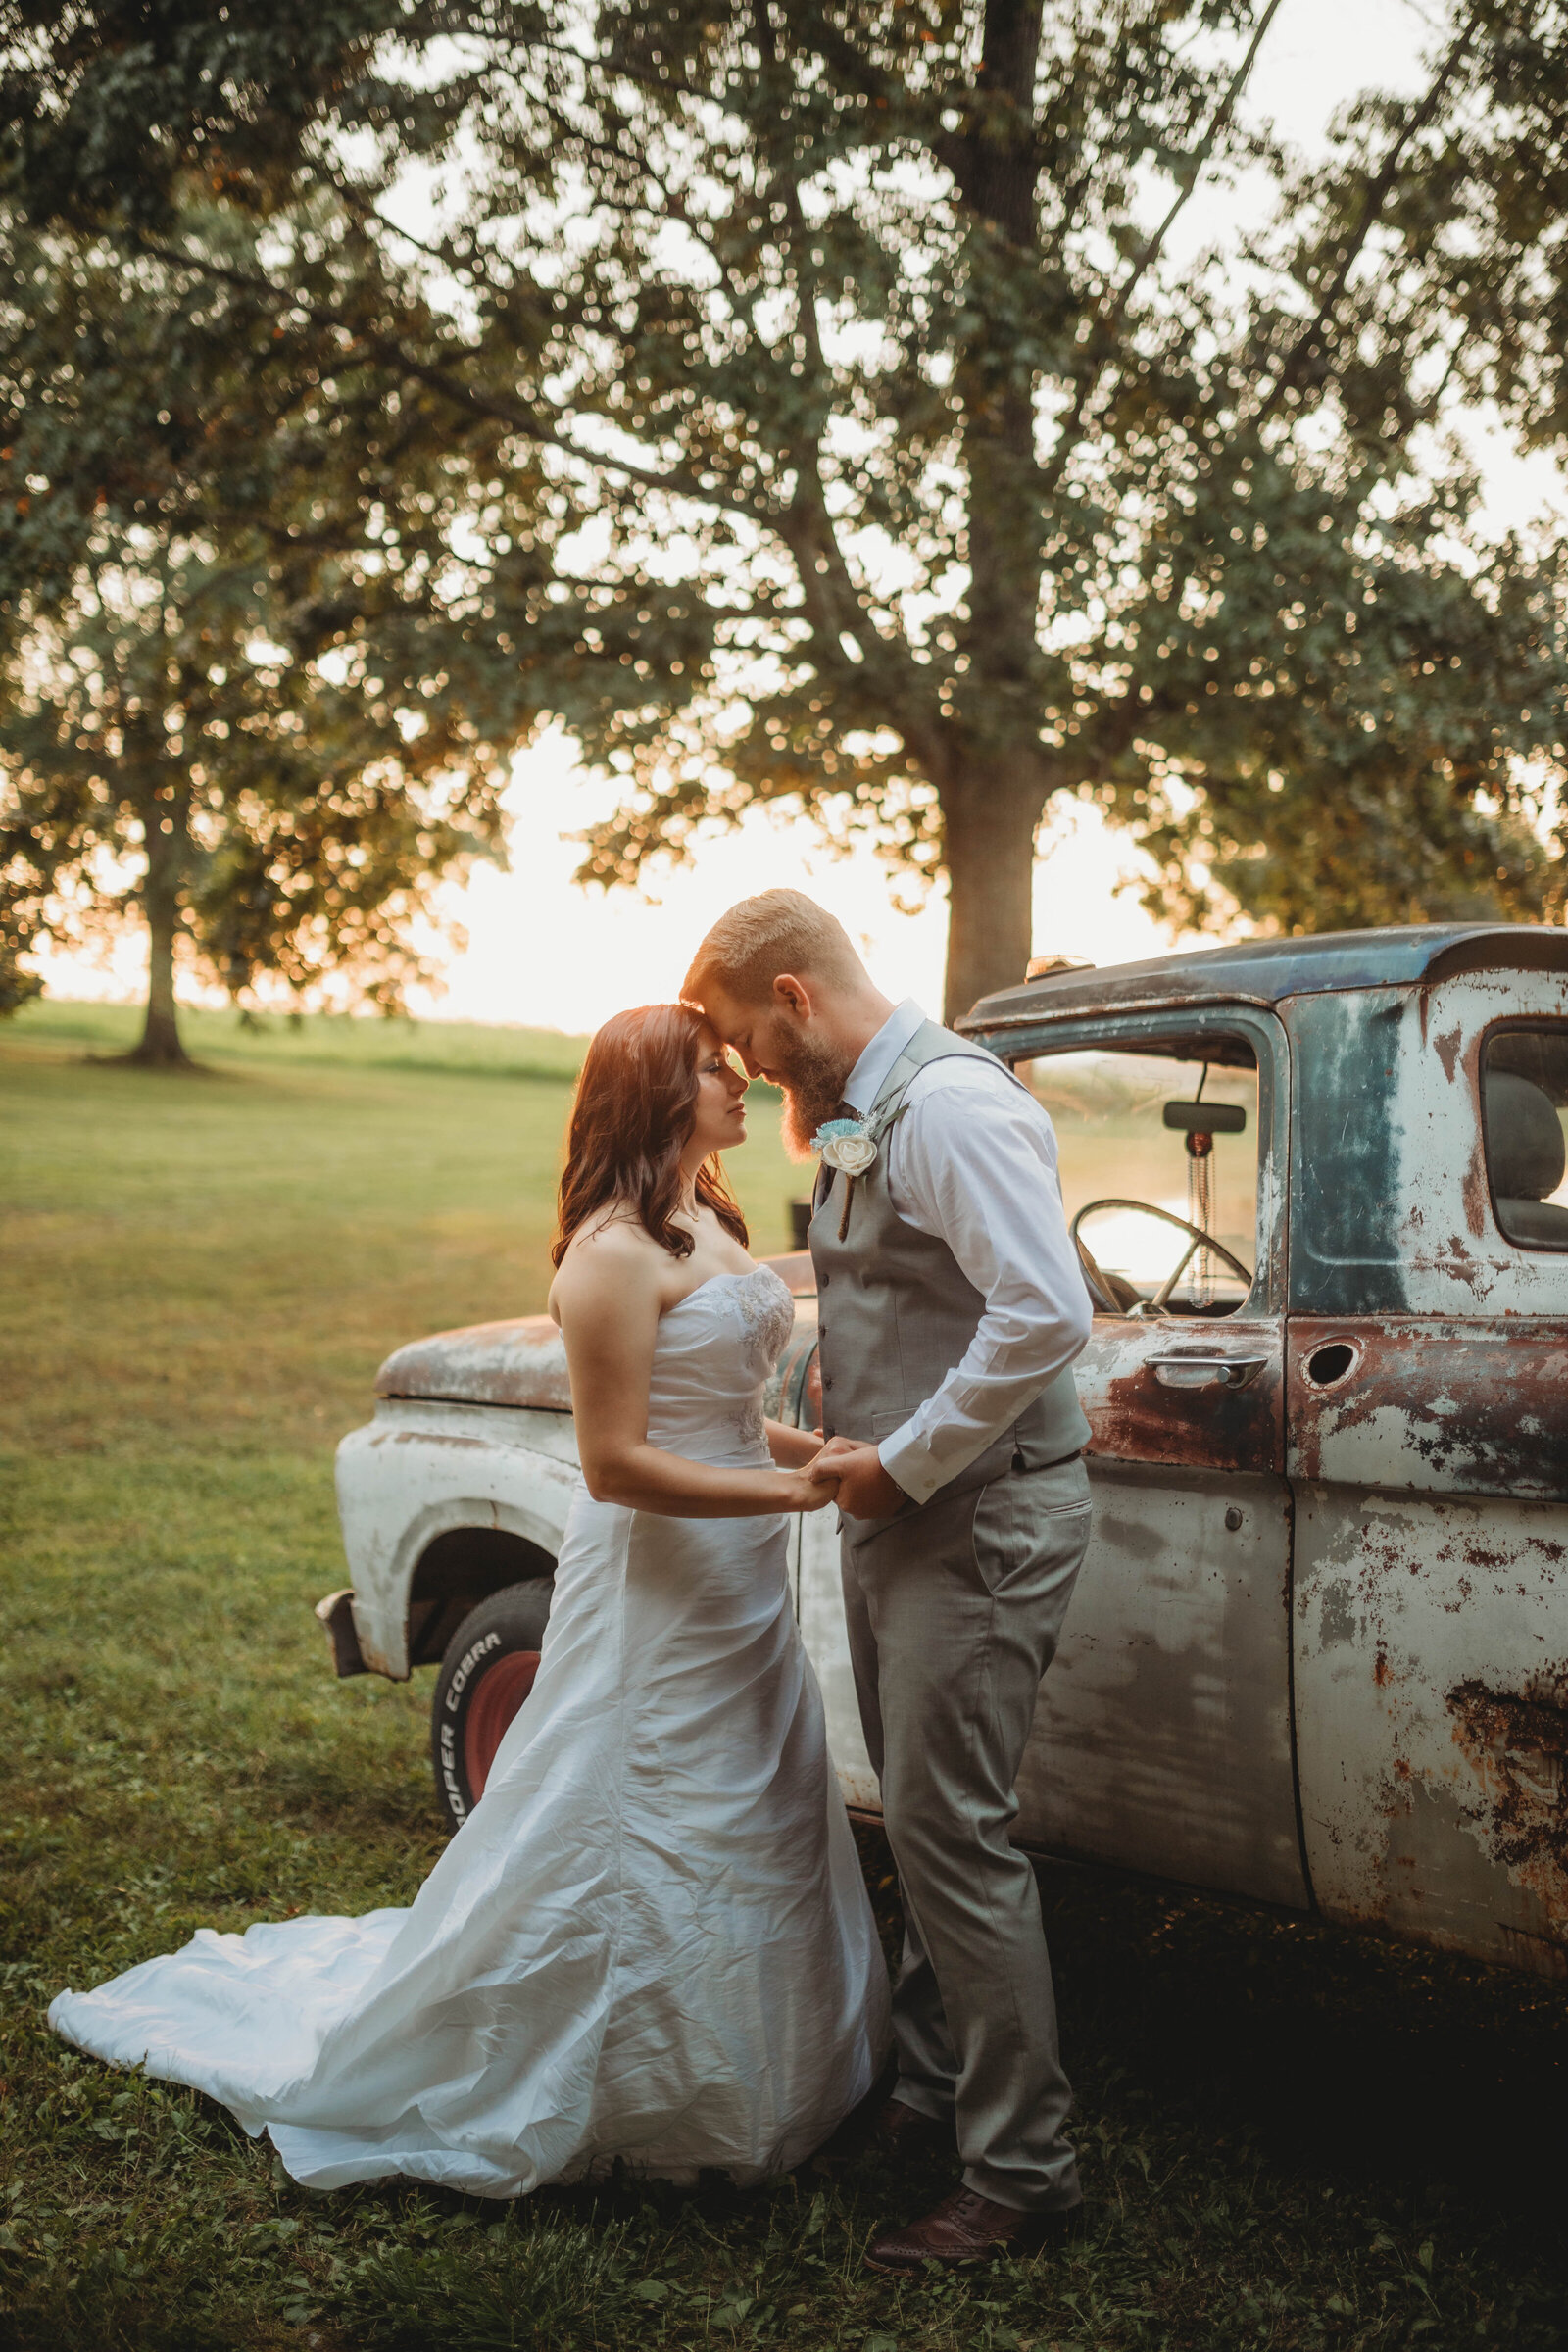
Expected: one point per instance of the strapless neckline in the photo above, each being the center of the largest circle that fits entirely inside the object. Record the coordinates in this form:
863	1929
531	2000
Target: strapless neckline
751	1275
715	1352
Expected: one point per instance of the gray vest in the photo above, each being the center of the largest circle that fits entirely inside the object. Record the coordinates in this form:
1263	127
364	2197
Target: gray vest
897	1312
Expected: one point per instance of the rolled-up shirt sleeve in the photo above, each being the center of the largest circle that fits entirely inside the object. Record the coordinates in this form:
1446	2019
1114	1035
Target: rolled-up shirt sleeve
973	1161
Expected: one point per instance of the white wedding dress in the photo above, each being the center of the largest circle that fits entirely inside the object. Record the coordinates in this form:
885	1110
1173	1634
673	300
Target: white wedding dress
650	1941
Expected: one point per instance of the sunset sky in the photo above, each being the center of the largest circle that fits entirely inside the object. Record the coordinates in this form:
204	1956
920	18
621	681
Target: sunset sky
541	951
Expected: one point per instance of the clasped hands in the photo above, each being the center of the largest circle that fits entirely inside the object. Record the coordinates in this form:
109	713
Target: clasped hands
865	1489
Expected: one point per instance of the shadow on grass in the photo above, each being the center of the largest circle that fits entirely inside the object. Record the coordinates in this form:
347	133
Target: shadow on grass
1345	2058
148	1063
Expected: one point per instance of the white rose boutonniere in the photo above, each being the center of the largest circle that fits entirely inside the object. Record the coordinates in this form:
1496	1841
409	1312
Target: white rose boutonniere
845	1143
849	1145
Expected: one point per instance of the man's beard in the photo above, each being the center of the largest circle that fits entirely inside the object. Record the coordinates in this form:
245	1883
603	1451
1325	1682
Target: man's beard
813	1076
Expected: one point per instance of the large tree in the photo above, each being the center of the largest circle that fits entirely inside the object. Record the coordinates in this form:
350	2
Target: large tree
237	703
881	448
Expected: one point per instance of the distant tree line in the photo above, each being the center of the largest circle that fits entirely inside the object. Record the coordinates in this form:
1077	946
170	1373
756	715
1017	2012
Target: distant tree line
799	403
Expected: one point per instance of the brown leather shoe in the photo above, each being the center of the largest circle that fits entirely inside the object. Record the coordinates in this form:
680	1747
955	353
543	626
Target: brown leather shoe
901	2134
966	2227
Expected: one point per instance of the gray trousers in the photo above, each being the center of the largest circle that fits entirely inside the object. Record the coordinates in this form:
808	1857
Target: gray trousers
954	1612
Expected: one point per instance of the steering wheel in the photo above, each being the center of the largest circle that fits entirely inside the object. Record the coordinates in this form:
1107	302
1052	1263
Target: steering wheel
1111	1284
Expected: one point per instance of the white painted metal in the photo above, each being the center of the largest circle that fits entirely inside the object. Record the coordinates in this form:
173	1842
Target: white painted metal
419	1470
1162	1742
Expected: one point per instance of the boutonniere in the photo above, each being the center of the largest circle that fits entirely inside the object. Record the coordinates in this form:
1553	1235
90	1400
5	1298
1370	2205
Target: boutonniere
846	1144
849	1145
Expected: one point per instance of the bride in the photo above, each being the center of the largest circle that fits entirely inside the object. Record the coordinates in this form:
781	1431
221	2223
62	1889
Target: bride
650	1941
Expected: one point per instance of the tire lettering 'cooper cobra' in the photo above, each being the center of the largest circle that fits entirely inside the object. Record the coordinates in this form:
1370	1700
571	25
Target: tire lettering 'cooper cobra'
485	1677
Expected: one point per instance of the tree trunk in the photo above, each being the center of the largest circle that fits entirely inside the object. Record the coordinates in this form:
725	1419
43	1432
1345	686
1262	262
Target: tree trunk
160	1044
989	852
990	817
998	175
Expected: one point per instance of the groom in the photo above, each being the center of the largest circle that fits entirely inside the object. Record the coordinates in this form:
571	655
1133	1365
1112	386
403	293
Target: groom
952	1308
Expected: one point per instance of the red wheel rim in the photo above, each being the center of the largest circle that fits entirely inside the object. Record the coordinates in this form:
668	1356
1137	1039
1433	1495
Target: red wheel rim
499	1695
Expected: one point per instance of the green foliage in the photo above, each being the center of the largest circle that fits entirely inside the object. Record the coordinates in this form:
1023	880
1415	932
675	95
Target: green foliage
249	719
16	987
1292	2141
835	424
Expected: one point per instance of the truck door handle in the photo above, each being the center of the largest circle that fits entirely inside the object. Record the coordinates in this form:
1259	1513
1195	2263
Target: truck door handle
1206	1371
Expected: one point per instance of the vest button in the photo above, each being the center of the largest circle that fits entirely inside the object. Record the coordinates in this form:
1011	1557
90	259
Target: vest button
827	1380
825	1281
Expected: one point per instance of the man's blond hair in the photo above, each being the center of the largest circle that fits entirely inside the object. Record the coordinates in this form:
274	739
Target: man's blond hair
777	931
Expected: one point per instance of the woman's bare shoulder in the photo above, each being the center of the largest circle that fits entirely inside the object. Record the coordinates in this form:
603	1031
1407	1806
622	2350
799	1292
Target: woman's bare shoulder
612	1255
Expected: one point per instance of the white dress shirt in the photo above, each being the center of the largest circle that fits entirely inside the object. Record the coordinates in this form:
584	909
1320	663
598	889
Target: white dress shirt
974	1162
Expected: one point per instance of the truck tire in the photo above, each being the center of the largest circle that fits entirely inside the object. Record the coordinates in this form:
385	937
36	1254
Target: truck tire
485	1676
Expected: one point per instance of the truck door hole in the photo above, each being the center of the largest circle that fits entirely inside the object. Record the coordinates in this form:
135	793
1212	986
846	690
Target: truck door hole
1326	1365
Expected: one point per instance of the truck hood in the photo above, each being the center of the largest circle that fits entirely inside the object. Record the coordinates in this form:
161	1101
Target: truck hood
523	1362
518	1363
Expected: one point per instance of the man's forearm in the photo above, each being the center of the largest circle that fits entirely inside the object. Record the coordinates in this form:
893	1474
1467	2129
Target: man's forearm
976	1403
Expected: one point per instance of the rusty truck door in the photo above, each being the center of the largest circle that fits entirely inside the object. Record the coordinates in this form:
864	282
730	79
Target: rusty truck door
1163	1739
1429	1445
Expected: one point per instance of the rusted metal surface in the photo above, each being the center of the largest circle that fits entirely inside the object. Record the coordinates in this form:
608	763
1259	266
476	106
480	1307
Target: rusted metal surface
1133	1380
1449	1405
1427	1409
1517	1747
519	1364
336	1615
1431	1659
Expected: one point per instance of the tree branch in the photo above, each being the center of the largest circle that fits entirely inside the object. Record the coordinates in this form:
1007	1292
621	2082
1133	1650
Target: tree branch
1152	247
1102	341
807	529
1376	194
440	380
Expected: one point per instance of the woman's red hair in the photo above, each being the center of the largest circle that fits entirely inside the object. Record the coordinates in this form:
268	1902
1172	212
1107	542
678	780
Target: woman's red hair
631	1120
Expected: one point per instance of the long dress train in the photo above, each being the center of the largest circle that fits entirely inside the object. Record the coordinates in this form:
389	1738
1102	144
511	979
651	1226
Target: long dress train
650	1941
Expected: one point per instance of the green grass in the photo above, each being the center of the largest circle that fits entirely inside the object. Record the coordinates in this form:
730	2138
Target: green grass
276	1041
1289	2140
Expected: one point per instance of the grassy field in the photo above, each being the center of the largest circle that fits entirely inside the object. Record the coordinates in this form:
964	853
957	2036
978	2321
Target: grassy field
1289	2140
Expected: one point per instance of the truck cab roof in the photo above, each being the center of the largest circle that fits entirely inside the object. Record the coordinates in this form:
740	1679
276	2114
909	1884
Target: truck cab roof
1264	971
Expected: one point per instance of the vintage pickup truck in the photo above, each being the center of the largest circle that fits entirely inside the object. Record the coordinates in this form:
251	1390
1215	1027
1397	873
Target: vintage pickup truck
1318	1654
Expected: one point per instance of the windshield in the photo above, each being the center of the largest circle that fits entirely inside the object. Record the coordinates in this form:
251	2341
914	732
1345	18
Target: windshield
1149	1148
